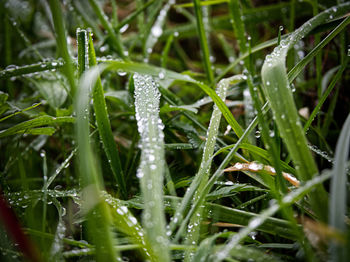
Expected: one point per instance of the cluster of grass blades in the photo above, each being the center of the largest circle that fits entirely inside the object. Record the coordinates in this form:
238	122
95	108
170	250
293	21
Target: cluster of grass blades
172	131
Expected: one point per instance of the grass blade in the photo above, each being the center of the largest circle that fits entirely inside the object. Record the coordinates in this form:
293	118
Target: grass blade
259	220
204	170
338	193
203	41
61	40
115	39
277	89
103	124
151	169
94	207
36	122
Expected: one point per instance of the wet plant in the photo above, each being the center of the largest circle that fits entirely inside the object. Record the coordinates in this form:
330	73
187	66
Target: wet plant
174	131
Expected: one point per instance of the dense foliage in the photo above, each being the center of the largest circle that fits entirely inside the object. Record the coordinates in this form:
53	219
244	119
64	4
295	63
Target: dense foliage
173	130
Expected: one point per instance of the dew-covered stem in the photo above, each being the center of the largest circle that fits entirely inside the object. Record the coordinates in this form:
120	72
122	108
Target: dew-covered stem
277	90
103	123
151	168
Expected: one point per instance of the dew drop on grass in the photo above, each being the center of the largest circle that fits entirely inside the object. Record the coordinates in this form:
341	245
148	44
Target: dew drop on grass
161	74
124	28
257	134
157	31
121	72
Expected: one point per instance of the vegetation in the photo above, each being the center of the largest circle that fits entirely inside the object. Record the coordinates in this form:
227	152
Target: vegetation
174	131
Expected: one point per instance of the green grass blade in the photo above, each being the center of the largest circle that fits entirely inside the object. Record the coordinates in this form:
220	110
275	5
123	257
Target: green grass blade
237	23
254	223
204	170
293	73
125	222
104	126
114	37
203	41
36	122
279	94
151	169
338	193
61	39
326	94
28	70
134	67
156	30
93	207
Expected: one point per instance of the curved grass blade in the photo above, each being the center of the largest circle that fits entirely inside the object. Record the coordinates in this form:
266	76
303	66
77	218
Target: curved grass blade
134	67
103	124
338	193
156	71
277	90
151	169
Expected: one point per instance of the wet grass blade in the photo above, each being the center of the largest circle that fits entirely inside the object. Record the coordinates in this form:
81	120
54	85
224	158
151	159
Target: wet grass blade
151	168
254	223
29	125
204	171
203	41
156	30
61	39
179	214
103	124
93	206
338	193
277	89
293	73
134	67
326	94
115	39
27	70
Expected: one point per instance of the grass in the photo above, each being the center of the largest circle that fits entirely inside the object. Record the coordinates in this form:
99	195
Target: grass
174	130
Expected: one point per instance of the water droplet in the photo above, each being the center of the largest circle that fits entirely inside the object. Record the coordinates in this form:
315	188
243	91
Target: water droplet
157	31
257	134
124	28
161	74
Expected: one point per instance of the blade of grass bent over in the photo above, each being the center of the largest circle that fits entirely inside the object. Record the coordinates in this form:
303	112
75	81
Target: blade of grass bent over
104	126
277	89
151	168
134	67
